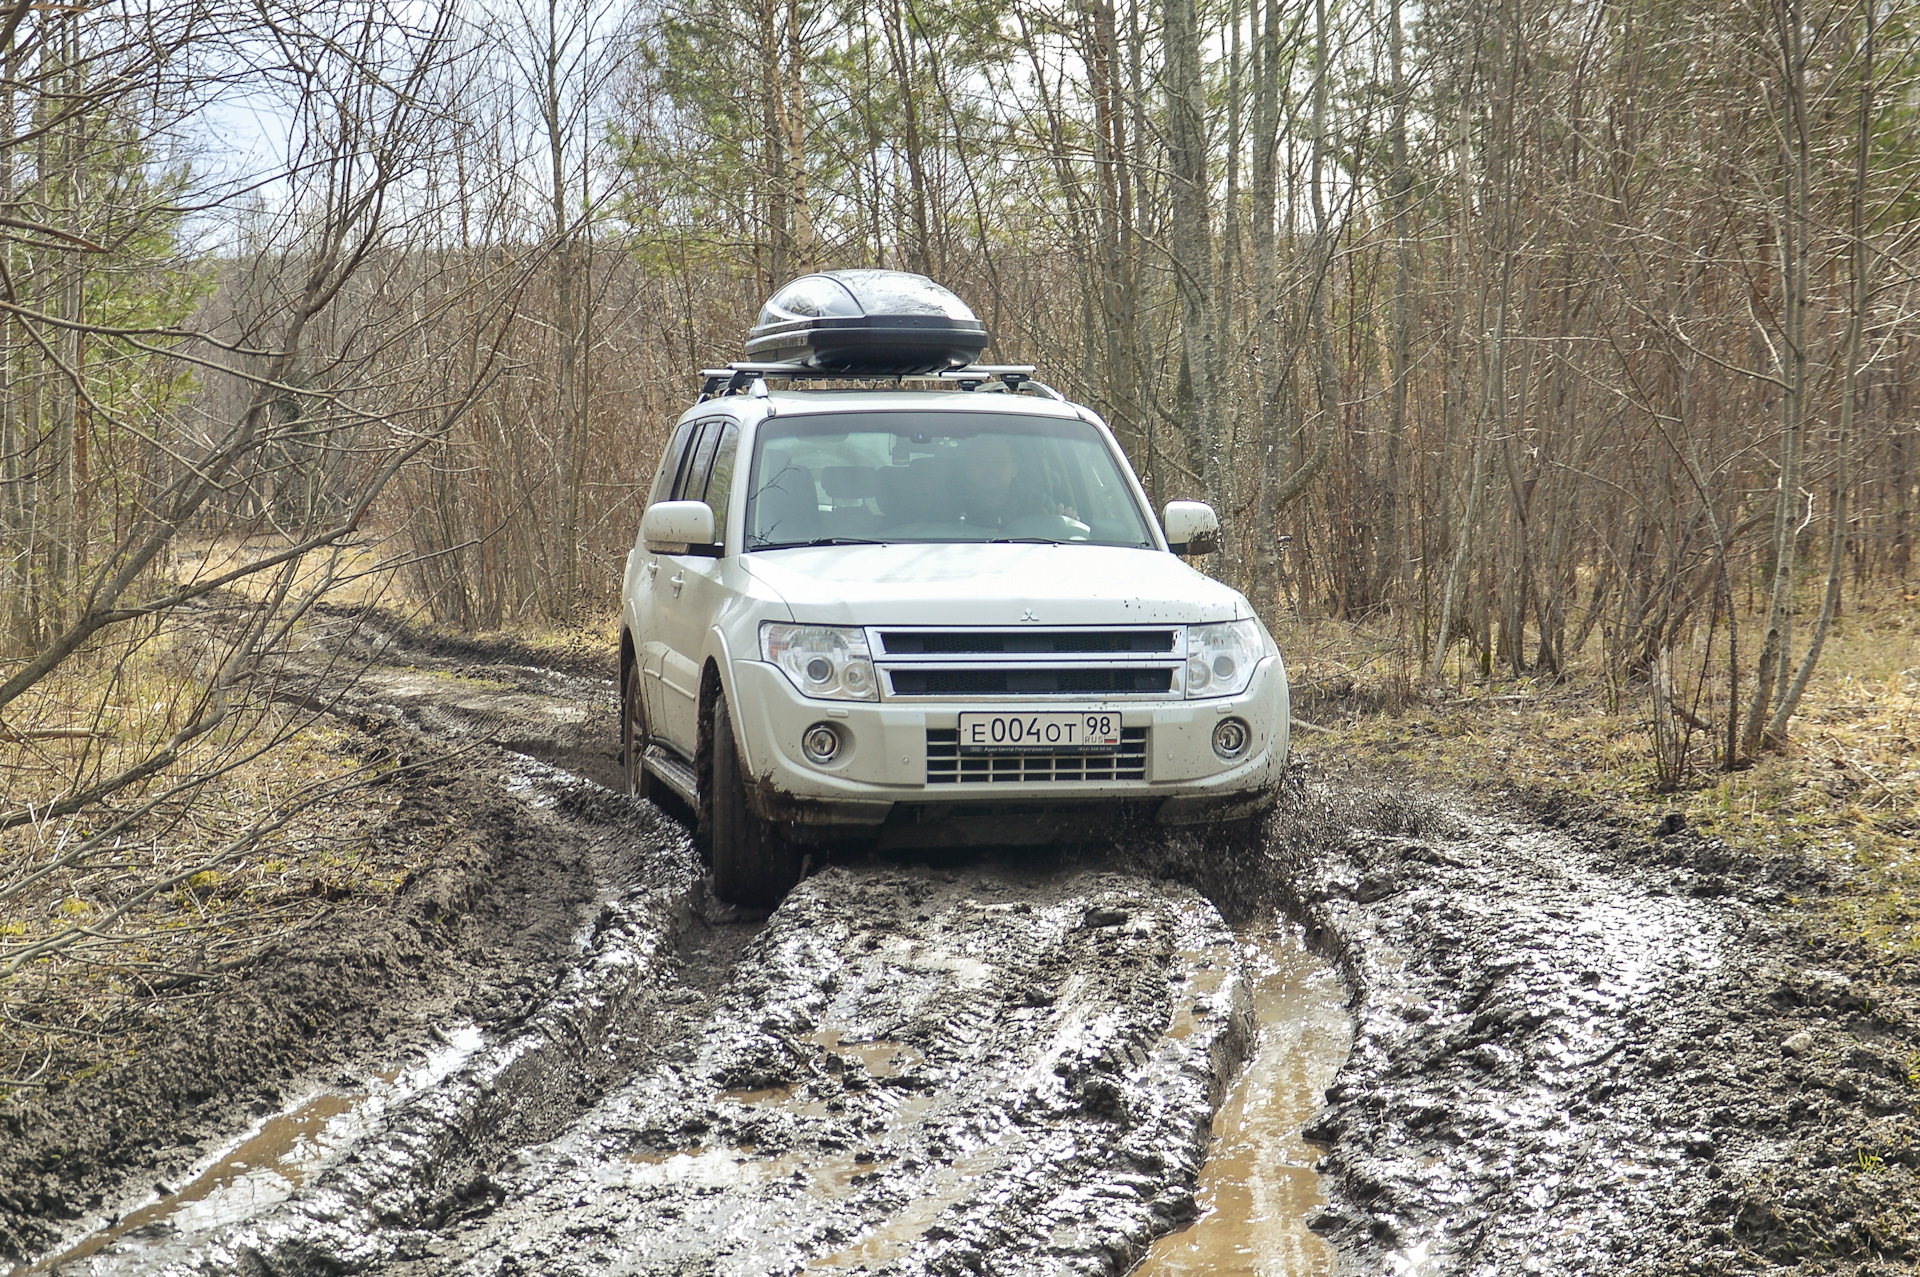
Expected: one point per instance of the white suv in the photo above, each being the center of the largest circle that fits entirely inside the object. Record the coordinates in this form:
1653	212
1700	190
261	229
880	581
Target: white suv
928	618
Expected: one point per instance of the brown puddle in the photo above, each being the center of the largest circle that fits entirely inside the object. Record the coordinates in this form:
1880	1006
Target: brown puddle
722	1167
275	1158
881	1057
895	1237
1258	1184
261	1170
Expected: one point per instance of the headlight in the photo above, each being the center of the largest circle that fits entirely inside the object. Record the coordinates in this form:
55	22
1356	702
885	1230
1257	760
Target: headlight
827	662
1220	658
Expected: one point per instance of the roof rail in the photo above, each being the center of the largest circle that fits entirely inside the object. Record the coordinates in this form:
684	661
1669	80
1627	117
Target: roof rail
737	378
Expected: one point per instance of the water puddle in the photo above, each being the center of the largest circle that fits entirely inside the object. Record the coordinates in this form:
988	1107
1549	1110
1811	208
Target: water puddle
876	1058
896	1237
277	1155
1258	1184
880	1057
726	1168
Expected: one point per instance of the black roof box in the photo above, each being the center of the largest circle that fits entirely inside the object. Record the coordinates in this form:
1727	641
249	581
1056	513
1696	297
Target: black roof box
867	322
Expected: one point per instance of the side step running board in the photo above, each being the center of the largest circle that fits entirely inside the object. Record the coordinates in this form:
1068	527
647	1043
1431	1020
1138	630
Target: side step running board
675	773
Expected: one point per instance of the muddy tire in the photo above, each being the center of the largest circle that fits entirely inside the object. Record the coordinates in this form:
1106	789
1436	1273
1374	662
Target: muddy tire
634	736
754	863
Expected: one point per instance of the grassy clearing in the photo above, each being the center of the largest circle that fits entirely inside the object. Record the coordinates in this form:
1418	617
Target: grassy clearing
364	575
1846	793
116	919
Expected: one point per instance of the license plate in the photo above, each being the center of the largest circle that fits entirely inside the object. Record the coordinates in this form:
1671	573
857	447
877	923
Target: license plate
1078	732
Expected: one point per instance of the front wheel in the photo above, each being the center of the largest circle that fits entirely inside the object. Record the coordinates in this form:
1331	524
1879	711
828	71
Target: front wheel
634	736
754	862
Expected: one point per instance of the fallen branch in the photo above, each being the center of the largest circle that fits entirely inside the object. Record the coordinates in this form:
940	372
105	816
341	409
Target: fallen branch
50	733
1881	784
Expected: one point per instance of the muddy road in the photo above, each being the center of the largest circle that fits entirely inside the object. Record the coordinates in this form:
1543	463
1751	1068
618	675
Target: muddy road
1402	1036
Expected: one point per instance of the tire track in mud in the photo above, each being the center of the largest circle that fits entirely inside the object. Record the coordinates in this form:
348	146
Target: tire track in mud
904	1070
1489	1114
1012	1068
425	1159
911	1072
1567	1056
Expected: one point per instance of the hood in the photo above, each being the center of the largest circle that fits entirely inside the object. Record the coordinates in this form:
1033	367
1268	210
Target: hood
992	585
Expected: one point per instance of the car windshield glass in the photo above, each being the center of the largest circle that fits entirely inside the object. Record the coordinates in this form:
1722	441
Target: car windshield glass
861	478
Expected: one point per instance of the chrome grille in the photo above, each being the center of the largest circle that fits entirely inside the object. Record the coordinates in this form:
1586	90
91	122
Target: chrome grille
1025	642
946	765
1102	662
997	681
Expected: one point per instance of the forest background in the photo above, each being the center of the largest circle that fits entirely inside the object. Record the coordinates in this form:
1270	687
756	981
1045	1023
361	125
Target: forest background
1526	337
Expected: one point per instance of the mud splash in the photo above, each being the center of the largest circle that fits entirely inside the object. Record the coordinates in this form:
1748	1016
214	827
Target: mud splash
1258	1187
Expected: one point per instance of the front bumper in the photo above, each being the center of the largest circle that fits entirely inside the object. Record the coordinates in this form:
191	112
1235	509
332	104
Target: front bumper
882	761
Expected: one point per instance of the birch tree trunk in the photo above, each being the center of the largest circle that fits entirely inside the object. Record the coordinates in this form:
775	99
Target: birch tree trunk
1319	328
800	203
1399	340
1266	303
1190	242
1860	263
1776	645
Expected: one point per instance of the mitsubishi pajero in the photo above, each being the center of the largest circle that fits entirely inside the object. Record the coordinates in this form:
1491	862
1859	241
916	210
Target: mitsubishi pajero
882	593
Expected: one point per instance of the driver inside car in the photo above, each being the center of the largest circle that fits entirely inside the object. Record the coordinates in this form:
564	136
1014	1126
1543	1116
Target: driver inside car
991	490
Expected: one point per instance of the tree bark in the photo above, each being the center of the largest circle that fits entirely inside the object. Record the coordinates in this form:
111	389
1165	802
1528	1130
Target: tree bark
1860	262
1776	645
1190	242
1391	556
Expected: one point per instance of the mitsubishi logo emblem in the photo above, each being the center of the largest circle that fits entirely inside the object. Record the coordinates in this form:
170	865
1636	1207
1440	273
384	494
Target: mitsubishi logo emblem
1028	615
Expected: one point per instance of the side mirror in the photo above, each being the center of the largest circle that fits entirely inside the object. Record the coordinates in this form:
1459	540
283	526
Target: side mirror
1192	527
679	527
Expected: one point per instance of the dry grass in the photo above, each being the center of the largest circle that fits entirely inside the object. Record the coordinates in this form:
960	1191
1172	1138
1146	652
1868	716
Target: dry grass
112	913
113	918
1846	793
371	574
357	573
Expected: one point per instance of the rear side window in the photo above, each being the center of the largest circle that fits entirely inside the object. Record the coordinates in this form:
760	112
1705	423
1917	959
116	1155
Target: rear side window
693	476
719	491
671	463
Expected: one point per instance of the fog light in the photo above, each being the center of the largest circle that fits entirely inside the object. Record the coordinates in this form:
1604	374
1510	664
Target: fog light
1231	738
821	744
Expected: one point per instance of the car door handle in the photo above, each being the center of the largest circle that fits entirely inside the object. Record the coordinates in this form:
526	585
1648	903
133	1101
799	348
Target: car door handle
679	579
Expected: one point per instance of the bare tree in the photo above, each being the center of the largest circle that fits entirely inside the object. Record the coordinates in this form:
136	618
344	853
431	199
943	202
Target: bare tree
304	361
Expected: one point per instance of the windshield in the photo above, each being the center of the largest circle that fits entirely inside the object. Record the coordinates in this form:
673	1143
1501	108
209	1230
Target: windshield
870	477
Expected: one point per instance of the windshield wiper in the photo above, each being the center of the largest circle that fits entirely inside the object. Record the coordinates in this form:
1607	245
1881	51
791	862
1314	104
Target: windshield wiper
795	545
1027	541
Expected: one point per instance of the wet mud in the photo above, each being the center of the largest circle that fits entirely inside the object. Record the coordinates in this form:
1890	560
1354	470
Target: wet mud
1587	1050
276	1155
1396	1035
908	1071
